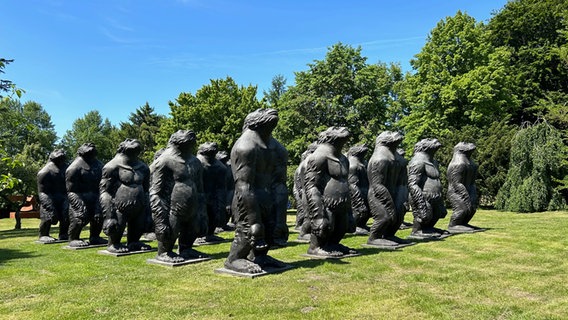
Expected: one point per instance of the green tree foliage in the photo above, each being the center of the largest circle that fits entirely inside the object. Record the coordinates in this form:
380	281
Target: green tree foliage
537	153
216	112
534	34
460	80
92	128
341	90
143	124
27	136
277	89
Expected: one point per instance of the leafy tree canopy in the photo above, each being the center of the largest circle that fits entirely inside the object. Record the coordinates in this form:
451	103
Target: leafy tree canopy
144	125
216	112
341	90
92	128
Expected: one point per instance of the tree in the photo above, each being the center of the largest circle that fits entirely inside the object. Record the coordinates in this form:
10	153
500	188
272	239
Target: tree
341	90
216	112
537	153
532	32
27	136
92	128
460	80
144	125
273	95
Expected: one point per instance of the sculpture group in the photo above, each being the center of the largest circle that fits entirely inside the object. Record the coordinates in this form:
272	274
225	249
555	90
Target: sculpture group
187	198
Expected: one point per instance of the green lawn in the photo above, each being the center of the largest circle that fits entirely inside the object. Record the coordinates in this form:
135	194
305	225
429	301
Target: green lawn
518	269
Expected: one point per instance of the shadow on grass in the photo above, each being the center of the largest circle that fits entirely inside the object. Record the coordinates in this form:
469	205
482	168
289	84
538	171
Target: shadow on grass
11	254
312	263
26	232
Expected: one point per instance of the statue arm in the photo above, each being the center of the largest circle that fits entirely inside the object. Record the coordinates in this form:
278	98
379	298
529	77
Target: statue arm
162	185
457	189
72	182
107	190
313	193
244	174
420	206
47	206
378	171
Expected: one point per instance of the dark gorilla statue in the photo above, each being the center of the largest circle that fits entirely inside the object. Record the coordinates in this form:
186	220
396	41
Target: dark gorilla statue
253	165
279	193
176	198
214	187
82	179
227	220
359	187
425	190
387	191
462	193
327	193
53	204
303	222
124	197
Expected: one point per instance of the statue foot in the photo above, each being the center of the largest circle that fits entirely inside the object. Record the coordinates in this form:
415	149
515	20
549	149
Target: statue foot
382	242
279	243
325	253
344	249
190	254
97	240
138	246
267	261
259	245
304	237
150	236
170	257
424	235
362	231
219	230
117	248
213	238
46	239
243	265
78	243
398	240
474	227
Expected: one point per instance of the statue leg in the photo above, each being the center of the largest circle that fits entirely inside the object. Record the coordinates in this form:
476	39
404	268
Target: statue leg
340	220
64	225
381	222
115	235
240	249
45	227
188	233
76	223
167	239
136	224
321	228
96	226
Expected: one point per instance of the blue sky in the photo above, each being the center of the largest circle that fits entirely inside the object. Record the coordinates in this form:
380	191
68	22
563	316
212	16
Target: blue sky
74	56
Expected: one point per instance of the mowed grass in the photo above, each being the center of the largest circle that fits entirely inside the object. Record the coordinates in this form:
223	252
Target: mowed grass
517	269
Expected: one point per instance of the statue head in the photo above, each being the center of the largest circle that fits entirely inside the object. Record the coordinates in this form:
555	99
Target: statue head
158	153
464	147
130	147
429	145
261	118
358	151
389	139
311	148
208	149
334	135
58	156
87	150
183	139
222	156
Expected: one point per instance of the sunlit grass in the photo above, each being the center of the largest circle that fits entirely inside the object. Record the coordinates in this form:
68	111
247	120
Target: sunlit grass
517	269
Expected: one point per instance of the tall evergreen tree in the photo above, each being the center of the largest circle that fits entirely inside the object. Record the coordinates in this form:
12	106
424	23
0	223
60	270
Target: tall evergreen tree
144	125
